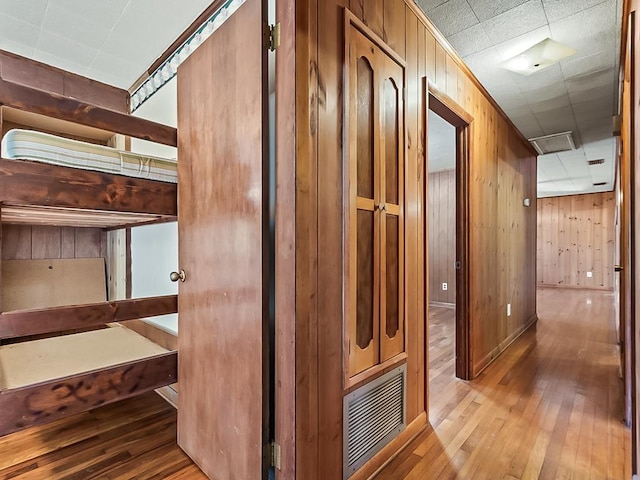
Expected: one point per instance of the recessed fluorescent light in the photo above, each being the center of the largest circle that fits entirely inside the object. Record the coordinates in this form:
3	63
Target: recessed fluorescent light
538	57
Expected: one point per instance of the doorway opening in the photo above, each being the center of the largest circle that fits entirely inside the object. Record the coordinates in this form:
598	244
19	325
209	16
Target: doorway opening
448	245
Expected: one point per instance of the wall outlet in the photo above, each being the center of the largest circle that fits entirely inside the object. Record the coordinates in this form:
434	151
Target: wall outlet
444	286
589	274
508	309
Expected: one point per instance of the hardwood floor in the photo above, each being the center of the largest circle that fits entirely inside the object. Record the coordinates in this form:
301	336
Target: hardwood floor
135	438
549	408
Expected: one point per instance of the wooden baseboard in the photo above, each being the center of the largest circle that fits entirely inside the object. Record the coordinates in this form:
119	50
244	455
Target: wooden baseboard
502	346
381	459
574	287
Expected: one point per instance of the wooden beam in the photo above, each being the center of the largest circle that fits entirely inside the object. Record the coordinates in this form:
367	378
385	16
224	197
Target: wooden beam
57	398
58	319
66	108
29	183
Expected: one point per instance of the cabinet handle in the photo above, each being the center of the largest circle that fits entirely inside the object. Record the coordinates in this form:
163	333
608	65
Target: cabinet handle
175	276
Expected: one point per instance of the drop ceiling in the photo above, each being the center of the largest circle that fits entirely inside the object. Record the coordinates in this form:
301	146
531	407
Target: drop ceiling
113	41
578	94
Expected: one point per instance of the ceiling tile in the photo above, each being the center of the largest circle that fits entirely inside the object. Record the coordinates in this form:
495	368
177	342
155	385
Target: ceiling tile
543	79
601	60
544	93
17	35
62	47
485	9
589	23
470	40
557	120
108	12
547	105
453	16
557	9
70	24
515	22
31	11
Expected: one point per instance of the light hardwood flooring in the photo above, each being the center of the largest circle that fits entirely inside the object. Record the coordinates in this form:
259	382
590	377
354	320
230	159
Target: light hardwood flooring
550	407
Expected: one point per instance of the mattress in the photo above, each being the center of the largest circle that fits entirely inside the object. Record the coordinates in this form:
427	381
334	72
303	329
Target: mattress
20	144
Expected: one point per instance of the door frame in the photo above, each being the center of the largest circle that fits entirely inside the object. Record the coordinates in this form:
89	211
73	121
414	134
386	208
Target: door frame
447	108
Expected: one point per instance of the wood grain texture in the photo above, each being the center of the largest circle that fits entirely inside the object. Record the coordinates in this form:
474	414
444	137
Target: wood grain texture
442	238
18	69
58	319
501	169
30	183
56	105
58	398
223	300
285	244
134	437
542	410
576	235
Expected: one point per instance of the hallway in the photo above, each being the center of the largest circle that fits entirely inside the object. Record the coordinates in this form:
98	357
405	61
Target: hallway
550	407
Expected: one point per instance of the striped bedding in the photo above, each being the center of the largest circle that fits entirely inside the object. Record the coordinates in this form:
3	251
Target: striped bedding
41	147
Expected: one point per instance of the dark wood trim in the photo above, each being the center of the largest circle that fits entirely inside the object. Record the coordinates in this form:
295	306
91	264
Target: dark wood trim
30	183
155	221
57	398
58	106
431	28
58	319
452	112
578	194
209	11
129	283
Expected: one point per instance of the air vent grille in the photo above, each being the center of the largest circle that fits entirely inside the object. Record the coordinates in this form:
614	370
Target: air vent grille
599	161
558	142
599	184
373	415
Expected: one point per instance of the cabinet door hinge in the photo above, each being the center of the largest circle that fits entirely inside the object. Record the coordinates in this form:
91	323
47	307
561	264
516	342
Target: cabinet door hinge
275	455
272	36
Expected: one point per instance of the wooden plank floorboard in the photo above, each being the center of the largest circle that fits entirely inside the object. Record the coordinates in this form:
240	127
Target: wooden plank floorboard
550	407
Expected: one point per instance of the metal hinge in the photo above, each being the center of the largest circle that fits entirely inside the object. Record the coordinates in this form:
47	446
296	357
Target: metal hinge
272	36
275	455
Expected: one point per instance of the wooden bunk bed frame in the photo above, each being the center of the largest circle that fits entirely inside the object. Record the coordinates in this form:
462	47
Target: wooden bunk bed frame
39	193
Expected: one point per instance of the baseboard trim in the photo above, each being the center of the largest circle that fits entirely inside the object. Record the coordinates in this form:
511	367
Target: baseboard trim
381	459
502	346
574	287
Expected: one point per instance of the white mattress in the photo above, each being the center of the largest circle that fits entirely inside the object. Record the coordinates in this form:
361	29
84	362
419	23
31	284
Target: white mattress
41	147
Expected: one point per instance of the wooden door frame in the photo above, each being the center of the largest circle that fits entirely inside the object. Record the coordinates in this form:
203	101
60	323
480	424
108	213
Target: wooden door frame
447	108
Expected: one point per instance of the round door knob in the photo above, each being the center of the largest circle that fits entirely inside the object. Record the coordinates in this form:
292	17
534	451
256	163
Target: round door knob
175	276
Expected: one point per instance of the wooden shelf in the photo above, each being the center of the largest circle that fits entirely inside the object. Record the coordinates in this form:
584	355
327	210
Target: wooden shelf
43	380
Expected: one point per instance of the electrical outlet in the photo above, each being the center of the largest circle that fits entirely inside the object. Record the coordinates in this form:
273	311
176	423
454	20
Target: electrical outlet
508	309
444	286
589	274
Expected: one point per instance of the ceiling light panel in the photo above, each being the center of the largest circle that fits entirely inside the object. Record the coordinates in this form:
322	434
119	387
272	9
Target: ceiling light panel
542	55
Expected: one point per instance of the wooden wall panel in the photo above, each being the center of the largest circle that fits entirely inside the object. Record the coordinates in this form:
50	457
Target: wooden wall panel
25	242
502	172
442	236
576	235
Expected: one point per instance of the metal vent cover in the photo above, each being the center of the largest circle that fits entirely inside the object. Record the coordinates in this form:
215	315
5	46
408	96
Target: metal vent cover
599	161
599	184
373	415
558	142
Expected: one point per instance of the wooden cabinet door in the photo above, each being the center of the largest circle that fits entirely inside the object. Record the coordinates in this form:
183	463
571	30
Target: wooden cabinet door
374	173
221	224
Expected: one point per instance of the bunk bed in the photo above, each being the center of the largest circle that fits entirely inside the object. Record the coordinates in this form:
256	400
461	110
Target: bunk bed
41	380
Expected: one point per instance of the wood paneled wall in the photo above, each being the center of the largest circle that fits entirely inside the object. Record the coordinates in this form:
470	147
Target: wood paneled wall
502	170
442	236
26	242
576	235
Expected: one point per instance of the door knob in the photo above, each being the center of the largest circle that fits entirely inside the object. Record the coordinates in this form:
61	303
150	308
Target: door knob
175	276
618	268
